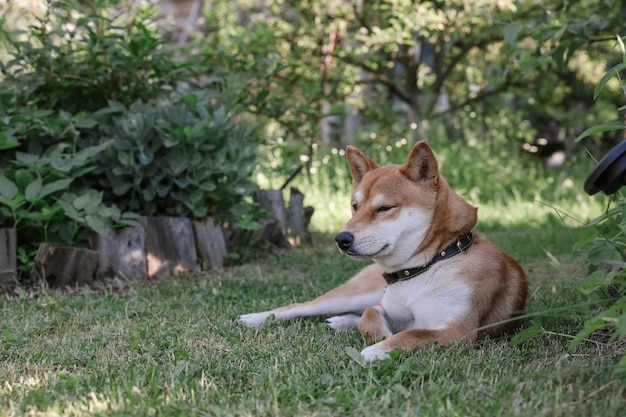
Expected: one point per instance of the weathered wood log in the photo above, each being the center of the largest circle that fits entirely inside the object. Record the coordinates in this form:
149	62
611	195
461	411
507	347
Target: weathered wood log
170	246
267	230
273	202
121	252
308	214
64	266
8	258
210	243
297	219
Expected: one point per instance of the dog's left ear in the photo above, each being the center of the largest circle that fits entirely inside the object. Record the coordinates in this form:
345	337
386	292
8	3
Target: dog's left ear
421	165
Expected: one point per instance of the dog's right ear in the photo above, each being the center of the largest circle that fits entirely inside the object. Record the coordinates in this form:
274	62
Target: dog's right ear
359	163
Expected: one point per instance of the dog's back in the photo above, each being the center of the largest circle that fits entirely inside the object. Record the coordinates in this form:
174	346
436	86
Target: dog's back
505	285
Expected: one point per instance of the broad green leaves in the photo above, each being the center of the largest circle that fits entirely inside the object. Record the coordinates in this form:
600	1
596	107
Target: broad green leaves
6	142
600	128
181	157
36	194
613	72
511	31
8	189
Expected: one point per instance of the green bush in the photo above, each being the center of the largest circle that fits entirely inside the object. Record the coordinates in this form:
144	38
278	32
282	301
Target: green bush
38	182
603	247
94	129
603	250
79	55
188	156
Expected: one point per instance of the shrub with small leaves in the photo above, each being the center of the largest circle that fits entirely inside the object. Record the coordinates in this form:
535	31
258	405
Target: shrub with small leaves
78	55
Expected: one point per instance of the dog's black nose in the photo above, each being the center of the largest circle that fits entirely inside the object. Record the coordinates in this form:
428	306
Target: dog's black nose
344	240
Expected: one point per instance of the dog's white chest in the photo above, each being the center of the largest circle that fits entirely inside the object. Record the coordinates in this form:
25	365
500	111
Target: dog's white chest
424	302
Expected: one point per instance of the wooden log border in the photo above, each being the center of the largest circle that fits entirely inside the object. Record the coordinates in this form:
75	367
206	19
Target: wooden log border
8	258
161	247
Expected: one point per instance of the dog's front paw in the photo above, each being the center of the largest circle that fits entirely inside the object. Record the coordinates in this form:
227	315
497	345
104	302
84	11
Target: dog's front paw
254	319
345	322
374	352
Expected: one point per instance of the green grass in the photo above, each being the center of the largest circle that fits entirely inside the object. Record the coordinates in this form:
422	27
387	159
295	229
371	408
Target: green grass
173	347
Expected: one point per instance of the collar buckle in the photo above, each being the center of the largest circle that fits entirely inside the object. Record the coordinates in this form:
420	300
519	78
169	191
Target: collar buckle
462	249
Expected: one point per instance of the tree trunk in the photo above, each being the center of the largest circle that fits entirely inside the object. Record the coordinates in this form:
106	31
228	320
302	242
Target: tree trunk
419	126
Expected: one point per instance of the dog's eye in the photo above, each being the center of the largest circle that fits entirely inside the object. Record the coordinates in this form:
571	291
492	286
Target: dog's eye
354	207
384	208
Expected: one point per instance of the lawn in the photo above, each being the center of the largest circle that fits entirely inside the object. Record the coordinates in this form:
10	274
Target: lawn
174	348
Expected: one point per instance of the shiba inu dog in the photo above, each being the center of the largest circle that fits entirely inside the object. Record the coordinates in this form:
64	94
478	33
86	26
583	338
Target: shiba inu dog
433	279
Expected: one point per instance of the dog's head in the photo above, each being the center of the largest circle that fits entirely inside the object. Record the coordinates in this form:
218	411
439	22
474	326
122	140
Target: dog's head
402	214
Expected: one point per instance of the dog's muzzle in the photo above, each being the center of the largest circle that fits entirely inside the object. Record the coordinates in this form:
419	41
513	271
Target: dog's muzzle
344	240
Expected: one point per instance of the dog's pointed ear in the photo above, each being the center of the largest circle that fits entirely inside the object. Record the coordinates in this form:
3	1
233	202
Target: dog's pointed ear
421	165
359	163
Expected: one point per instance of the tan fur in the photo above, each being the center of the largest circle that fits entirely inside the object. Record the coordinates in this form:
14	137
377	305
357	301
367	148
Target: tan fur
403	216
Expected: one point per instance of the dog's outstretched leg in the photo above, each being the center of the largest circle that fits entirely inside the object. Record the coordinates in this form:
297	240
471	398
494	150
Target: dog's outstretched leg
365	289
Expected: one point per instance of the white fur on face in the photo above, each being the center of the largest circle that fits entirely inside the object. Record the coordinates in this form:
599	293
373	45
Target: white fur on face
358	197
392	242
378	200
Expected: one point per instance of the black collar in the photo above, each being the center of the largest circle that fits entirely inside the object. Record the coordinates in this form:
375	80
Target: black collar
455	248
